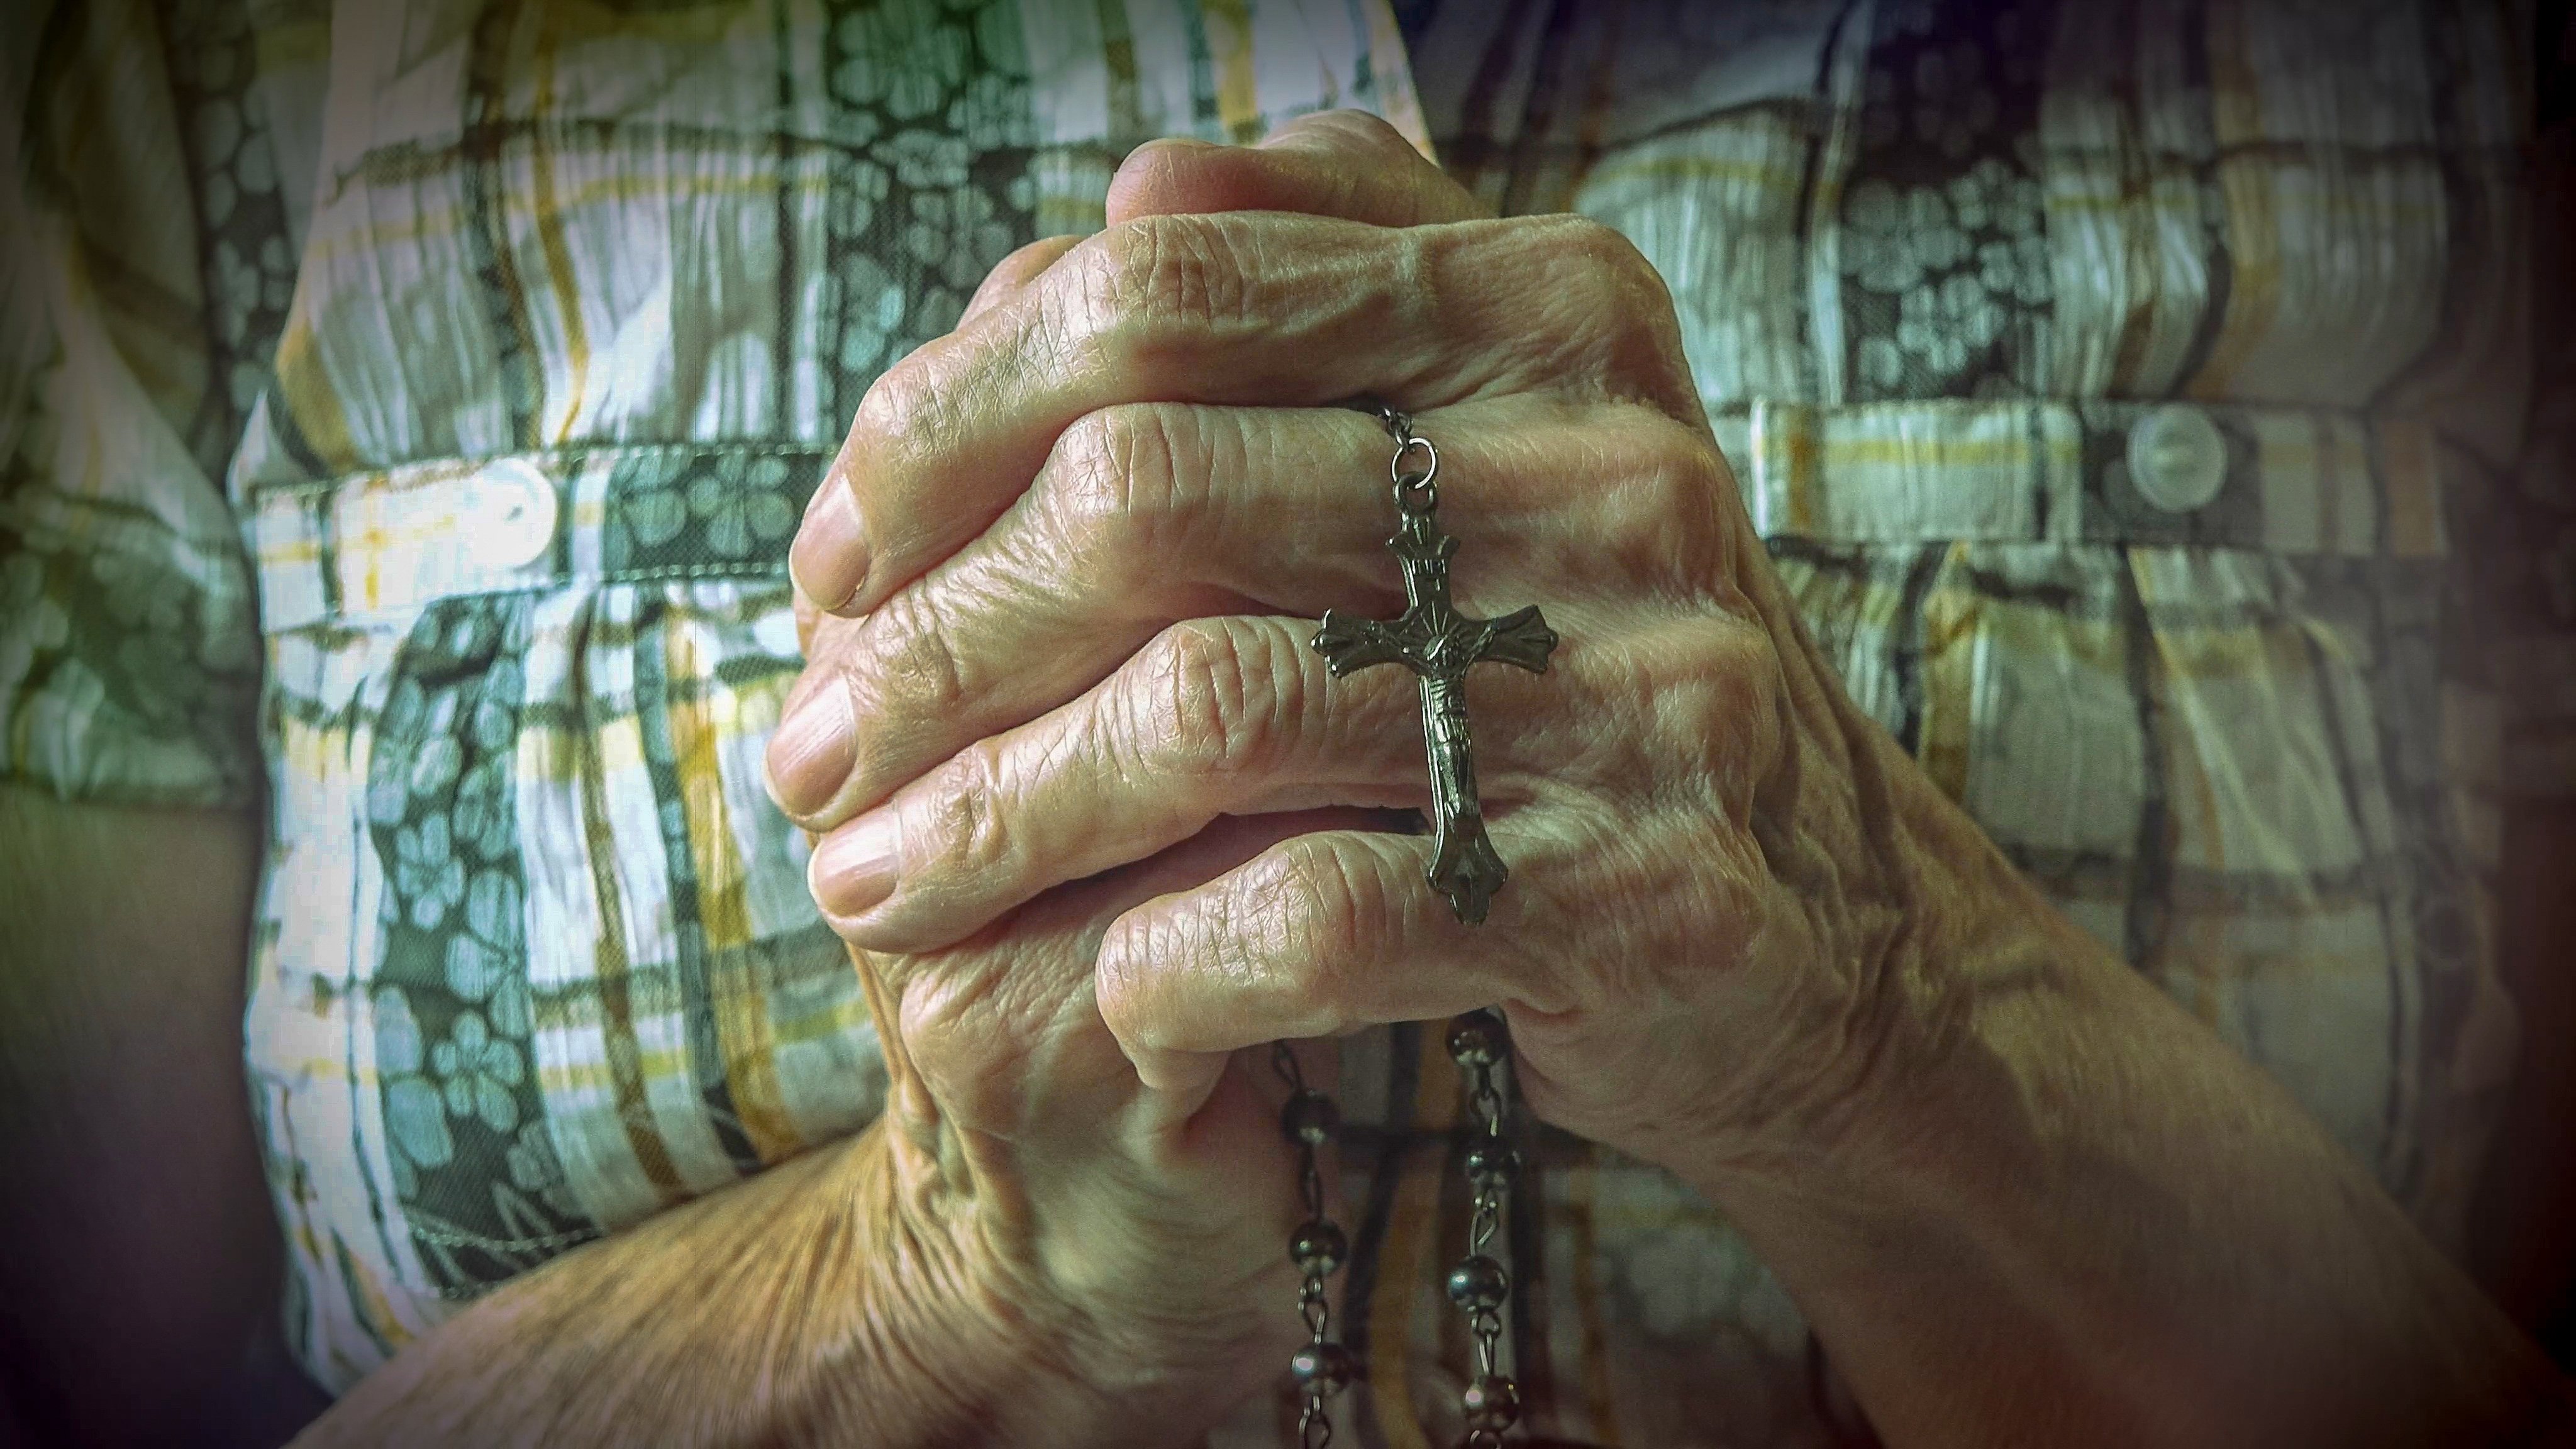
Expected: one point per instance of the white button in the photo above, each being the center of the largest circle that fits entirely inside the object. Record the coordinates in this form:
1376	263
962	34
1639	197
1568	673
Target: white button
509	515
2177	460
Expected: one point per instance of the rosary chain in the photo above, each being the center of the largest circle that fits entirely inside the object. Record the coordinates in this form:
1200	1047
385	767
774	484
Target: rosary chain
1417	491
1322	1368
1480	1043
1481	1284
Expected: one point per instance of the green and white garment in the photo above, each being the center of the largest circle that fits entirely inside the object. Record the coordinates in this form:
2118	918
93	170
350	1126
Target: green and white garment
437	457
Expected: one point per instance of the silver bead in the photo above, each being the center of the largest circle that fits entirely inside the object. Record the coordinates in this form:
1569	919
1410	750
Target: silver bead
1492	1403
1479	1039
1491	1163
1323	1368
1310	1117
1479	1284
1318	1247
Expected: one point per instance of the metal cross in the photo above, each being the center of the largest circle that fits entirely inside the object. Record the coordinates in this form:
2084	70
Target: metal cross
1439	645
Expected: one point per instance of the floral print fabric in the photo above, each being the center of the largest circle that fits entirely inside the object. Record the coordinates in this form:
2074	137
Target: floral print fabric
446	455
1944	259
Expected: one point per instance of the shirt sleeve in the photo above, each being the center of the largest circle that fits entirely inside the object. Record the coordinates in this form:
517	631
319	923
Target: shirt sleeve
129	658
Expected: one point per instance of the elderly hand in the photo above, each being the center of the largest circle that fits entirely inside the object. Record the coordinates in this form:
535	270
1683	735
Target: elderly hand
1076	551
1072	555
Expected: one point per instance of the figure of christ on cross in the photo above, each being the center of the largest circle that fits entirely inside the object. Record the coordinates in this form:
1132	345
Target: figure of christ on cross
1439	645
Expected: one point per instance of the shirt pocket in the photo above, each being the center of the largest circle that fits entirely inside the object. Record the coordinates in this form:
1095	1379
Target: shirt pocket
2186	666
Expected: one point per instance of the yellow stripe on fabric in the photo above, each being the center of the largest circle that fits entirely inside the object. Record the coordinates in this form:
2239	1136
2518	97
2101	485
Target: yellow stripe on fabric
2253	230
1238	97
550	234
1118	57
305	383
617	1024
2187	782
656	1064
370	543
1953	618
1412	1233
734	987
1927	452
843	1016
1800	446
1392	68
368	1301
444	222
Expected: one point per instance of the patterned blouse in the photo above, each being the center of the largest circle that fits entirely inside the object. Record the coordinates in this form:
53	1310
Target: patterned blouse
403	416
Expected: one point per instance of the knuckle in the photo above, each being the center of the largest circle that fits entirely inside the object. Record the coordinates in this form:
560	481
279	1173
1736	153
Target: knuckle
1212	697
1314	913
1116	477
912	665
1714	703
1677	491
1605	254
1166	276
905	402
1128	981
1624	312
970	834
1368	130
1118	986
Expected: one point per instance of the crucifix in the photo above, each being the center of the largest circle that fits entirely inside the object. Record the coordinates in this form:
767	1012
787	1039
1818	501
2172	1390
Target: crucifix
1439	645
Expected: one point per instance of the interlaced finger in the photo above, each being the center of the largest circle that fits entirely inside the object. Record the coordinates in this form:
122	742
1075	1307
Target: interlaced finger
1145	516
1227	716
1238	308
1240	717
1317	936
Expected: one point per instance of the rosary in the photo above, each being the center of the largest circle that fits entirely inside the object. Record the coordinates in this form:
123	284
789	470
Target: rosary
1439	645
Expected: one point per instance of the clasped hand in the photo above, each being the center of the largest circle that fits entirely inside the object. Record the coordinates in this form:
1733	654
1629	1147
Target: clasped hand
1097	818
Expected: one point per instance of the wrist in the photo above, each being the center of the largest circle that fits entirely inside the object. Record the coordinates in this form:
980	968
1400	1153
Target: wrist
1006	1352
1952	1077
1933	958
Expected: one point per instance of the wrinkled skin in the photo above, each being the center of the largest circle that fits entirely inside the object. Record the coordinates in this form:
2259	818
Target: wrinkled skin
1069	562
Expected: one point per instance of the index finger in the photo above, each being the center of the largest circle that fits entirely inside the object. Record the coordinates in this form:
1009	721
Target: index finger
1229	309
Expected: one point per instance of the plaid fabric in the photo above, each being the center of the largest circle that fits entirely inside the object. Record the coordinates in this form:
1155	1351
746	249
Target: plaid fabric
1946	270
517	334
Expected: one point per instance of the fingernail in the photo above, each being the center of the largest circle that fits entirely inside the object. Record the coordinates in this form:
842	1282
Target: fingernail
829	558
813	750
855	866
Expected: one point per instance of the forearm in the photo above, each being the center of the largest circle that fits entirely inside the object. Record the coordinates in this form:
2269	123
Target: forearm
2058	1210
810	1305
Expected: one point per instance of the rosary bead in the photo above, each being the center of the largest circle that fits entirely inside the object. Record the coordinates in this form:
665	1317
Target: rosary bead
1492	1403
1491	1163
1318	1247
1479	1284
1323	1368
1478	1039
1310	1117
